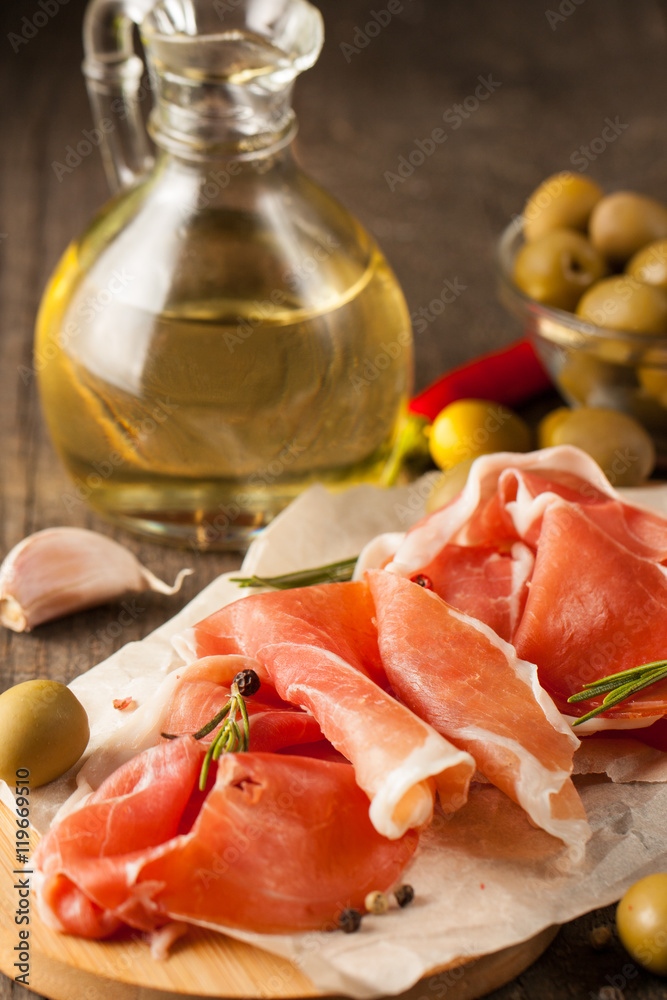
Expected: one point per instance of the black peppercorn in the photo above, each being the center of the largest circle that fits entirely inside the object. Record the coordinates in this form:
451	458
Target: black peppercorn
404	895
247	682
350	921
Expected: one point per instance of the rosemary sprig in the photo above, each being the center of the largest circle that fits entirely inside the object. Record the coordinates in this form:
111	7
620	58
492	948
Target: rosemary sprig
336	572
618	687
234	736
231	738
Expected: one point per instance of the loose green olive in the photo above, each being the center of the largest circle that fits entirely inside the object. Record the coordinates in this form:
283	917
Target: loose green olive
549	423
562	201
43	728
624	222
641	918
468	428
558	268
623	303
650	264
617	442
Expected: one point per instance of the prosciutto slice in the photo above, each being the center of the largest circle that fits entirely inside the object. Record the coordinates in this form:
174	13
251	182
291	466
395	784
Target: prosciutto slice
274	844
319	647
544	551
624	615
482	515
490	581
461	677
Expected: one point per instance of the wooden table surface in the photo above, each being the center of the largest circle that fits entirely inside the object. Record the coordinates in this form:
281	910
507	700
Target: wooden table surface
559	77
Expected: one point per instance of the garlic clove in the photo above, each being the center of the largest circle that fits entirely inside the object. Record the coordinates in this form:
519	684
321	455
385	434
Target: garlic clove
58	571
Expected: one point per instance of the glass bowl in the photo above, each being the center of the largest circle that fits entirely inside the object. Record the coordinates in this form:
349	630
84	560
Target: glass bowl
591	365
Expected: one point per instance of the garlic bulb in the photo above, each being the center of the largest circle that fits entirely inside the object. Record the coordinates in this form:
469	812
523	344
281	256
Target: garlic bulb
58	571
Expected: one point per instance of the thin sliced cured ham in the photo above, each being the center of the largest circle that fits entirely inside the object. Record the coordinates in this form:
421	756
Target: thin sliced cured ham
461	677
504	501
470	549
319	646
83	880
336	618
489	581
622	625
480	513
542	549
275	844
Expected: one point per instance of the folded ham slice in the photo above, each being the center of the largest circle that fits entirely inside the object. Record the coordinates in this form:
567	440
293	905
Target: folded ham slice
470	685
486	511
275	844
594	608
319	647
543	550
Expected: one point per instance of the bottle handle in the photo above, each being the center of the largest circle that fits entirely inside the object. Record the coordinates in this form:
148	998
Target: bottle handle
113	74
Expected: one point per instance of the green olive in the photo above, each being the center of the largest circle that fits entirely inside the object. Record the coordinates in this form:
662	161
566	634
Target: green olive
43	728
558	268
617	353
618	443
468	428
652	414
650	264
448	485
587	379
654	380
623	303
549	423
562	201
641	918
624	222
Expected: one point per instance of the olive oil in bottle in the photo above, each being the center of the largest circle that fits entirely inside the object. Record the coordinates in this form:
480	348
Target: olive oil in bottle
224	333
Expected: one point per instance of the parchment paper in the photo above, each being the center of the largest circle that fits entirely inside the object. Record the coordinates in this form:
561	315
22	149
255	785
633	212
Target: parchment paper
484	878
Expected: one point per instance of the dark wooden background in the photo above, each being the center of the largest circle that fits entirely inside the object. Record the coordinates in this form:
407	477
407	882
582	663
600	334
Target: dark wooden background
559	73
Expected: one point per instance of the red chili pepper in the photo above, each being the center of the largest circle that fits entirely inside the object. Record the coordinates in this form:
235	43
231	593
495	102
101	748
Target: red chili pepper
510	376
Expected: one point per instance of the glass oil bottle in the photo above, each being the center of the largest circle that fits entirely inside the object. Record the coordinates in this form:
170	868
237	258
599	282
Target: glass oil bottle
224	333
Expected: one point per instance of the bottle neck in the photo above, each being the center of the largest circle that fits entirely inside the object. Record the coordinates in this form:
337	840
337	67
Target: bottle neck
222	121
194	183
221	74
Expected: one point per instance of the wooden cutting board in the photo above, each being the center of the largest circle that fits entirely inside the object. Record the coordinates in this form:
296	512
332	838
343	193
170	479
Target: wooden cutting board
203	964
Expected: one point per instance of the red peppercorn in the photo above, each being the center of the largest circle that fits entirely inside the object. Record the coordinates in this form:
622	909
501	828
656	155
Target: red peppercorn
423	581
